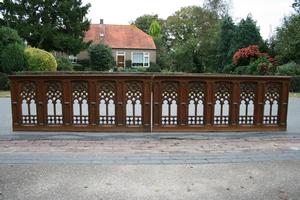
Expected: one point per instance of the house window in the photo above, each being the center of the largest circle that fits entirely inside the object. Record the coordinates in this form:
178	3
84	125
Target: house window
140	59
73	59
120	59
146	59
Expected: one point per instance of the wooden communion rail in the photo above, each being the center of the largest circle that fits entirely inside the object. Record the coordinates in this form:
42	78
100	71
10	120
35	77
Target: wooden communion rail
110	102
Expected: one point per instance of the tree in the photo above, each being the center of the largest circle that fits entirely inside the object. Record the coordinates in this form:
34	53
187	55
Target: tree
246	34
155	29
11	51
163	58
197	24
287	40
144	22
101	57
226	36
183	56
220	7
296	6
52	25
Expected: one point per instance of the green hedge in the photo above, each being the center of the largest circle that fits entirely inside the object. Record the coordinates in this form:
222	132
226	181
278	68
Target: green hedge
39	60
82	65
4	81
153	68
64	64
295	84
289	69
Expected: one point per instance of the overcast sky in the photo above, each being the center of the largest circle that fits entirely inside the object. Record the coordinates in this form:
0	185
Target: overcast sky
268	13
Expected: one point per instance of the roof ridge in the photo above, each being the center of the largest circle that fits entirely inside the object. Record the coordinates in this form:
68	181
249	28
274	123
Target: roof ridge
121	36
115	24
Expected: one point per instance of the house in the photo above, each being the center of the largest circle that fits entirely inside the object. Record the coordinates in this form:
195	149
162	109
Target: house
129	44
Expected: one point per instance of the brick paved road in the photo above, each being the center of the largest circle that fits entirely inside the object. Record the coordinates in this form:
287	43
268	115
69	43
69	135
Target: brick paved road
150	151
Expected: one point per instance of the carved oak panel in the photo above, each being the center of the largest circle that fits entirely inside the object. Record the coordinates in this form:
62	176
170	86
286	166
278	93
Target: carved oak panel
107	102
271	104
247	103
54	103
80	103
134	102
28	102
169	103
196	101
222	101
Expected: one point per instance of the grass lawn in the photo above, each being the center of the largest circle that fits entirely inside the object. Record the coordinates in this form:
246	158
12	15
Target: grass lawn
295	95
4	94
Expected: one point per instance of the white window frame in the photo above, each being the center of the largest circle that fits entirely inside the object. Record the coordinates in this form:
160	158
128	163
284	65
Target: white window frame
73	59
145	55
121	53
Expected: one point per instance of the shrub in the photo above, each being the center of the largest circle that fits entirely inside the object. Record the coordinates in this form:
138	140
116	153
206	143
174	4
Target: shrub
288	69
101	57
82	65
129	69
295	84
12	58
229	68
128	63
247	55
134	69
242	70
64	64
243	56
11	51
39	60
262	66
78	67
153	68
4	81
118	69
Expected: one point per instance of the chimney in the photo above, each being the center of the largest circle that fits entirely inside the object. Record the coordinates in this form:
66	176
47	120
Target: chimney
102	30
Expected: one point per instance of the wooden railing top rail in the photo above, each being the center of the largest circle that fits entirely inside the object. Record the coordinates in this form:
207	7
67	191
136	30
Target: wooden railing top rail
147	74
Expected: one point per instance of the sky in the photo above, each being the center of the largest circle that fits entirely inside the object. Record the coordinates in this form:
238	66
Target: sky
268	13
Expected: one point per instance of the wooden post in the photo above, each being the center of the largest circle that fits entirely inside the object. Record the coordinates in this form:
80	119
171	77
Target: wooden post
182	104
15	103
235	104
283	108
259	107
209	104
40	102
156	103
92	100
121	106
68	104
146	110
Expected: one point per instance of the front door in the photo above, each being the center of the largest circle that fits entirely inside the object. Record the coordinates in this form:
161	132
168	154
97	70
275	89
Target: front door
120	60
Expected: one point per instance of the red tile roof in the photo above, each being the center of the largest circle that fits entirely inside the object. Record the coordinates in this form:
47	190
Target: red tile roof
120	36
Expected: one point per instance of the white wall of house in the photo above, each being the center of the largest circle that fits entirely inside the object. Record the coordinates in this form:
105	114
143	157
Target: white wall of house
128	54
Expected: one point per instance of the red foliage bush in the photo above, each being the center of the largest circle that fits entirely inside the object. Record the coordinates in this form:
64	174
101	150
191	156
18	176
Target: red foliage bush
270	58
243	56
